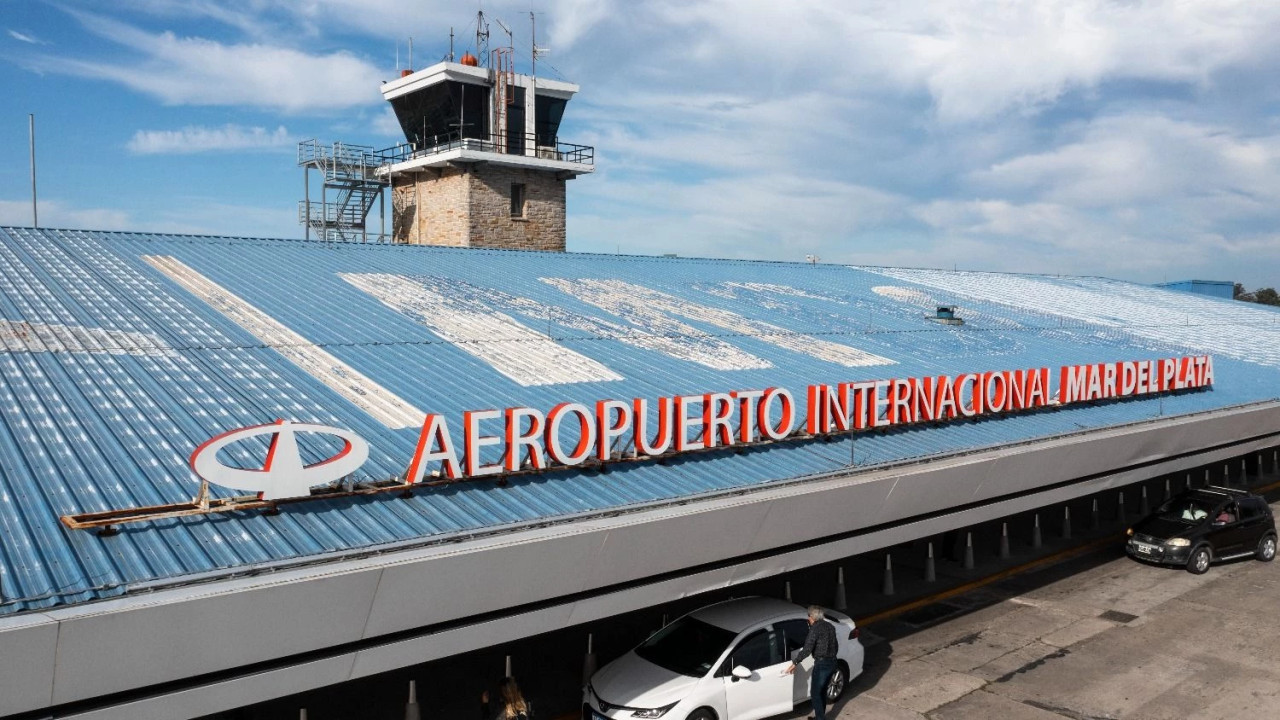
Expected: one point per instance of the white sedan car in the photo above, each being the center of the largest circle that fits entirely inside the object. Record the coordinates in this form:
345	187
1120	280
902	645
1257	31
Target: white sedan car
722	662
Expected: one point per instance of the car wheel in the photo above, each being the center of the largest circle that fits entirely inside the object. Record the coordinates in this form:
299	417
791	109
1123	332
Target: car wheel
1266	551
1198	563
836	683
701	714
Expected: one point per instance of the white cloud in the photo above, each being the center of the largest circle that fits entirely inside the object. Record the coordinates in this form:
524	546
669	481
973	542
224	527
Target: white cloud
749	216
55	213
195	139
1142	158
386	123
199	71
185	215
25	37
196	215
974	59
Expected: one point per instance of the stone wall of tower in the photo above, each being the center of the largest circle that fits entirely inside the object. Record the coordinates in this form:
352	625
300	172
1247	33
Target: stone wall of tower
472	208
431	208
492	226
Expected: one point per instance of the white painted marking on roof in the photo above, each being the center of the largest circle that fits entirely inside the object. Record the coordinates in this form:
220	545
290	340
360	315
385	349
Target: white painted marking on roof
693	345
1163	317
382	404
911	296
462	317
21	336
653	311
782	290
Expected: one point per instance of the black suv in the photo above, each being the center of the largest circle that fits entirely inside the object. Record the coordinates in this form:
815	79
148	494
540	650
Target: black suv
1203	525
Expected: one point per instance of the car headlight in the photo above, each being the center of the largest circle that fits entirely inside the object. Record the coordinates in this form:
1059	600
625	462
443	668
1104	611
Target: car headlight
652	712
1177	542
1129	532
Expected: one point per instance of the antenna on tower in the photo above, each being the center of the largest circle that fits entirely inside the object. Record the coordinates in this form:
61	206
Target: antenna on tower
533	44
507	30
450	43
482	37
534	50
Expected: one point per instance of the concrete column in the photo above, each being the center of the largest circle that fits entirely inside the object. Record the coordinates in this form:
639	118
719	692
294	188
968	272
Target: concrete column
888	574
1095	520
968	551
412	711
1004	541
841	601
1066	523
1035	532
588	662
930	571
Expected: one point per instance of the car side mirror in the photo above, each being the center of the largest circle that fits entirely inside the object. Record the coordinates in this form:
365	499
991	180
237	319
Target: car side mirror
741	673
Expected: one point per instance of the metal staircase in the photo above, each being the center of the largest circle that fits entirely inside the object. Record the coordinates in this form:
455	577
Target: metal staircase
350	185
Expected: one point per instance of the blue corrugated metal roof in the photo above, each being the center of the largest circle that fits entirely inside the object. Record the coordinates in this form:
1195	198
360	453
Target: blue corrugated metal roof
121	352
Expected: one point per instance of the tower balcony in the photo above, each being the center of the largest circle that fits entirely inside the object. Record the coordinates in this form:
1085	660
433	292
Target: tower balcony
566	159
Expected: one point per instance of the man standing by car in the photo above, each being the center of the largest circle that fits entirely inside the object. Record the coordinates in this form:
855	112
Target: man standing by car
821	643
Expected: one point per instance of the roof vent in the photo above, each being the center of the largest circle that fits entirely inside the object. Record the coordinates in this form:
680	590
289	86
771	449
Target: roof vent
947	315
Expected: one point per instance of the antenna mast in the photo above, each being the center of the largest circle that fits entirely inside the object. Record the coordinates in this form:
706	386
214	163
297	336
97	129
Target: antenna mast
35	214
482	37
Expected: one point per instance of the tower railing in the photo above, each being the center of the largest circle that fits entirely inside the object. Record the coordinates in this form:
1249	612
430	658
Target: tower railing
499	143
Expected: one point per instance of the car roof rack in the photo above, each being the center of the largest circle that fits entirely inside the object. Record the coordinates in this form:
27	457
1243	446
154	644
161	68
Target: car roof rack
1227	490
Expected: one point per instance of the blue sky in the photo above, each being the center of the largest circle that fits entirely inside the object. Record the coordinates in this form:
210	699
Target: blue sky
1137	140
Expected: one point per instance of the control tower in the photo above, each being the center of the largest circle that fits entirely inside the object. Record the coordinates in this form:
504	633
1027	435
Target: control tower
482	165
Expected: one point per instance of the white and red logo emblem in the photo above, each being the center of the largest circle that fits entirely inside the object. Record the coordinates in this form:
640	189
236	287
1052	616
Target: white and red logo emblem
282	475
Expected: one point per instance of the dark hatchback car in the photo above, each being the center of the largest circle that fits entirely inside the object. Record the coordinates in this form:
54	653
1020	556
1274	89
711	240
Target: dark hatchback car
1204	525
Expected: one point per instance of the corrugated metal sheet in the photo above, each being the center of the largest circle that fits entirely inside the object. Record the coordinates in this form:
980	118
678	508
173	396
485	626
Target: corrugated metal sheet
114	368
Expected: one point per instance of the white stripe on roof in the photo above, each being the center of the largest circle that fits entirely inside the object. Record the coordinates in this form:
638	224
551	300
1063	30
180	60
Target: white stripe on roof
383	405
527	357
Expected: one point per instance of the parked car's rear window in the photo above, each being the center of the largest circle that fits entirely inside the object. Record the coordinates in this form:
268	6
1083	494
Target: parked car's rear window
686	646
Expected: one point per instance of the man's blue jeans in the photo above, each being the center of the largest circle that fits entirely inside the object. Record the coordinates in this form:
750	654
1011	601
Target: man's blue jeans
822	670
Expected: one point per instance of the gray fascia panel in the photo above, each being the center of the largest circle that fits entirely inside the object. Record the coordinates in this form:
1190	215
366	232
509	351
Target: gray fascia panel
27	646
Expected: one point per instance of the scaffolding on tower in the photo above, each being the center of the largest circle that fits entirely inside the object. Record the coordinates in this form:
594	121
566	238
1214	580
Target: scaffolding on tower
349	187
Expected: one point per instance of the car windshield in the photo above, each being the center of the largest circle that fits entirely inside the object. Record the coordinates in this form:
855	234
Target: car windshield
686	646
1185	509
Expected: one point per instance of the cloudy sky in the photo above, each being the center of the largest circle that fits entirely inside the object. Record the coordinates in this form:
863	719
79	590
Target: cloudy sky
1137	140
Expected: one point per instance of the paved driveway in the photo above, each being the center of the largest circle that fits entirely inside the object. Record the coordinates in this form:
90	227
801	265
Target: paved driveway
1097	637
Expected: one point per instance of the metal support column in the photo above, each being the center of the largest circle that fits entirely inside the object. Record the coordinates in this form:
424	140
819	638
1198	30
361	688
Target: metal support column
306	193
